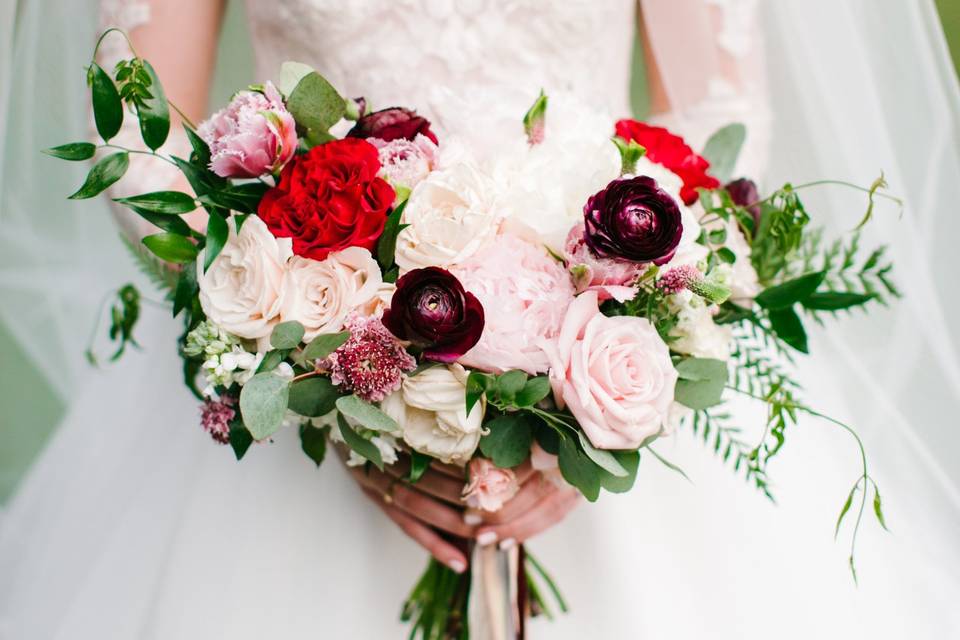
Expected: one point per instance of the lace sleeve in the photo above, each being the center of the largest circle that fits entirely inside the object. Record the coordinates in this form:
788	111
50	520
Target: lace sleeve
711	59
145	174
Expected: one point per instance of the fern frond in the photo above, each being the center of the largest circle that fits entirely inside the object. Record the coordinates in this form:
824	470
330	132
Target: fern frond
158	272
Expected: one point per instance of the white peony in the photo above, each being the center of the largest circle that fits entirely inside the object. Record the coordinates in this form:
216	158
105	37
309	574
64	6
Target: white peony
452	214
320	295
431	411
242	290
696	333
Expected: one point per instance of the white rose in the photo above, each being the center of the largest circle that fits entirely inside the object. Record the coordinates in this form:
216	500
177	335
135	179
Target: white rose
431	411
452	214
242	290
321	294
696	333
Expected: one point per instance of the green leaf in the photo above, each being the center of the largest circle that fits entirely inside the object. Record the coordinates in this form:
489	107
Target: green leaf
313	397
263	404
366	414
701	382
359	444
240	438
419	463
271	360
668	464
723	149
107	107
785	295
172	247
509	439
102	175
154	113
291	73
477	385
286	335
844	510
171	224
186	288
789	328
73	151
533	392
217	234
836	300
878	508
387	244
602	458
165	202
630	461
511	383
201	150
316	106
325	344
577	469
313	441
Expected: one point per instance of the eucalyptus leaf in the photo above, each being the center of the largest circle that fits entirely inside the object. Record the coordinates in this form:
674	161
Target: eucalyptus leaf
790	292
154	113
508	440
535	390
103	174
316	106
313	397
107	106
171	247
602	458
325	344
217	234
577	469
164	202
263	404
723	149
291	73
701	382
369	416
313	441
73	151
630	461
287	335
359	444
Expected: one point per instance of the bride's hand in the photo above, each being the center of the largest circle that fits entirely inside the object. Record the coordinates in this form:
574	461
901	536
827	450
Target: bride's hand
434	505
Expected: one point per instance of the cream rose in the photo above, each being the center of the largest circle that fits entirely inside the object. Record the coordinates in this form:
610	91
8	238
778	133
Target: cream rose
614	374
242	290
431	411
320	295
452	214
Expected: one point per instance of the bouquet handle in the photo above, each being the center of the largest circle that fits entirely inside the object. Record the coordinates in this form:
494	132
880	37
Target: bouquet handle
497	593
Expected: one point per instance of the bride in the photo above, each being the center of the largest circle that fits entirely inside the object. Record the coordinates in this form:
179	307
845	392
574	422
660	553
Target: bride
131	525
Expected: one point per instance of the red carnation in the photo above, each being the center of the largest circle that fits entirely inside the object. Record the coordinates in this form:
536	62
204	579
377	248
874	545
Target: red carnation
329	198
672	152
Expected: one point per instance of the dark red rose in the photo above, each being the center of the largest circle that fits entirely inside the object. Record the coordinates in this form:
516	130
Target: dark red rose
744	193
392	124
431	309
328	199
633	219
672	152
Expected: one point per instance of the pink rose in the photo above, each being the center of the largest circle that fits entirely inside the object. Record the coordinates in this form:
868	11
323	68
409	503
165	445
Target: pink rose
615	375
252	136
404	163
524	293
489	486
609	277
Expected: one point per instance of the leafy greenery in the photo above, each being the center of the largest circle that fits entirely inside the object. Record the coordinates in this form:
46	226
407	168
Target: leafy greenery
171	247
316	106
325	344
508	439
73	151
366	414
387	244
313	397
701	382
358	443
107	107
103	174
263	404
313	441
437	605
723	148
286	335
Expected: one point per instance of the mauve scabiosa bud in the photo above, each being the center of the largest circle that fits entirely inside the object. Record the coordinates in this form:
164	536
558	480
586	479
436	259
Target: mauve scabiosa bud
633	219
431	309
392	124
744	193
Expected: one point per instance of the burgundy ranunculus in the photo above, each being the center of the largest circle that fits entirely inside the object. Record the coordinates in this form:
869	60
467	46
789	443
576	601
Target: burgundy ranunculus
633	219
744	192
431	309
392	124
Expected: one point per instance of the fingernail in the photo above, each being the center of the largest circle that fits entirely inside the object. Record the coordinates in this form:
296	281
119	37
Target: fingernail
486	538
508	543
457	565
472	519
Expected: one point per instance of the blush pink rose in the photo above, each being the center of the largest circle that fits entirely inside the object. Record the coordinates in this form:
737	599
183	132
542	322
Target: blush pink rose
254	135
489	486
524	292
609	277
404	163
614	374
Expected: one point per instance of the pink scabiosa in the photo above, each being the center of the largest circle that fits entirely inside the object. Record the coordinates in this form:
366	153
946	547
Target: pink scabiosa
371	363
215	417
254	135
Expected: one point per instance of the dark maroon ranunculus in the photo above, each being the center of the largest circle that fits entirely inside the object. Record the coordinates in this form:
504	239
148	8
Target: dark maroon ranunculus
431	309
744	193
633	219
392	124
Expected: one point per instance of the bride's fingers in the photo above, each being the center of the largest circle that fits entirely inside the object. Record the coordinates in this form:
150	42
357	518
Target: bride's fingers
529	495
436	546
431	482
546	513
419	505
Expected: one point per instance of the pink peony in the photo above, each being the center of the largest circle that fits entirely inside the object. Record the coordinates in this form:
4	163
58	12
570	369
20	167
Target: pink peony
215	417
489	486
252	136
524	293
614	374
609	277
371	363
405	163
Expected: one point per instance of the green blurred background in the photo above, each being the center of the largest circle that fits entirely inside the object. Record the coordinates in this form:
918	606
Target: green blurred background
31	410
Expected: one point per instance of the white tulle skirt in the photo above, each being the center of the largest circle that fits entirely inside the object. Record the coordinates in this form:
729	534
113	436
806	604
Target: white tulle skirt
133	524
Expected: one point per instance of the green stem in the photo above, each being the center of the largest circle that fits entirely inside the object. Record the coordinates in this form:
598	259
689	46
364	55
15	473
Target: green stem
103	35
140	151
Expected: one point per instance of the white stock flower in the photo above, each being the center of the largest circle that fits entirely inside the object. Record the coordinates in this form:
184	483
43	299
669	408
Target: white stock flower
452	214
431	411
242	290
696	333
321	294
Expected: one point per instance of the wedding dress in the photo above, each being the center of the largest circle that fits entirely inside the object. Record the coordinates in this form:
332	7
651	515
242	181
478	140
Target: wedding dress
133	525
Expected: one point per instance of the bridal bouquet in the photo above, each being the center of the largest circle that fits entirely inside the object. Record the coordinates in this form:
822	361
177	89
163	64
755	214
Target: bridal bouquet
371	282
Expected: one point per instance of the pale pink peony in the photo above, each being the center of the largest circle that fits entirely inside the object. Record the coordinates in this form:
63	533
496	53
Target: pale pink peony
404	163
609	277
489	486
524	293
254	135
614	374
